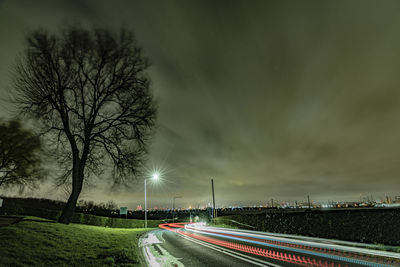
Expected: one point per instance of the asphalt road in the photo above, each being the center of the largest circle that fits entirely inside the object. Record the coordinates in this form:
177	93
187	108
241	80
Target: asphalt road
191	253
191	246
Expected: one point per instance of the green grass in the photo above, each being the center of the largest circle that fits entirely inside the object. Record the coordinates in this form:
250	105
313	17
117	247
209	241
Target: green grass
31	243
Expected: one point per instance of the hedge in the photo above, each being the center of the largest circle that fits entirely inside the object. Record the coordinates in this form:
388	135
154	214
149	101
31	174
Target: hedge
80	218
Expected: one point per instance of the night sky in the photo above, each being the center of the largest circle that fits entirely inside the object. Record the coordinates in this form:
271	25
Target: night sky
272	99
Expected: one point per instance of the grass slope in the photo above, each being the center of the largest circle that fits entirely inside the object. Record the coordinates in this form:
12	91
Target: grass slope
34	243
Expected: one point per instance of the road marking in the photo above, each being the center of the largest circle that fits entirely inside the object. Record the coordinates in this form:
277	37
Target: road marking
150	239
150	259
150	244
231	253
169	260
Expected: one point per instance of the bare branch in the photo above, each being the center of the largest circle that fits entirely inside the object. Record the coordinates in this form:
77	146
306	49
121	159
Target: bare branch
91	95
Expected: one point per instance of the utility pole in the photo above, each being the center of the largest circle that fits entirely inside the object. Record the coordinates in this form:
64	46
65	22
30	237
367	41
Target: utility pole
173	208
214	214
145	204
272	203
309	204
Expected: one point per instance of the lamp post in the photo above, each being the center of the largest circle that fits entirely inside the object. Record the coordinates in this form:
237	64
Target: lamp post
214	214
155	178
173	208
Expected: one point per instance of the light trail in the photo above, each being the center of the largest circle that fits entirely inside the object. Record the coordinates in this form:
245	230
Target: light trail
287	241
232	253
272	254
314	250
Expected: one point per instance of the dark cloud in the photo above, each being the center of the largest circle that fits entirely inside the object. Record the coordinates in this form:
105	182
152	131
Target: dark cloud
270	98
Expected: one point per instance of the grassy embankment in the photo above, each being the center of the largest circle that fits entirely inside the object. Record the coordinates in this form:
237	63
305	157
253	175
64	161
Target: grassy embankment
46	243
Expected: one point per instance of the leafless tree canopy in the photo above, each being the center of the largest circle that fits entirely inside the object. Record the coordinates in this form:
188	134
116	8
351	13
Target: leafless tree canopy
90	89
20	162
90	93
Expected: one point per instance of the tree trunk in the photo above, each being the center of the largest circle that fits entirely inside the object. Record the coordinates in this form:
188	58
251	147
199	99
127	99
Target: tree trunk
77	182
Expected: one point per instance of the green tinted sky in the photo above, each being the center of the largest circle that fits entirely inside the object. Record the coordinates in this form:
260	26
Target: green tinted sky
270	98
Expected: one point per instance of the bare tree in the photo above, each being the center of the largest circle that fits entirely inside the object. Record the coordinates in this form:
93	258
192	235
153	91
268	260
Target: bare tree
20	162
90	93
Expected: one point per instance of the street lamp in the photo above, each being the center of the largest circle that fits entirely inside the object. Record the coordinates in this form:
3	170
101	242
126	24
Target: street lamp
155	177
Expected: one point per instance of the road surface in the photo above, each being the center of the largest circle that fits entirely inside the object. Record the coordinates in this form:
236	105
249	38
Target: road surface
199	245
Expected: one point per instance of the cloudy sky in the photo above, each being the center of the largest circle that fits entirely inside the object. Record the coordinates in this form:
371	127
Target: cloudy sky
272	99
